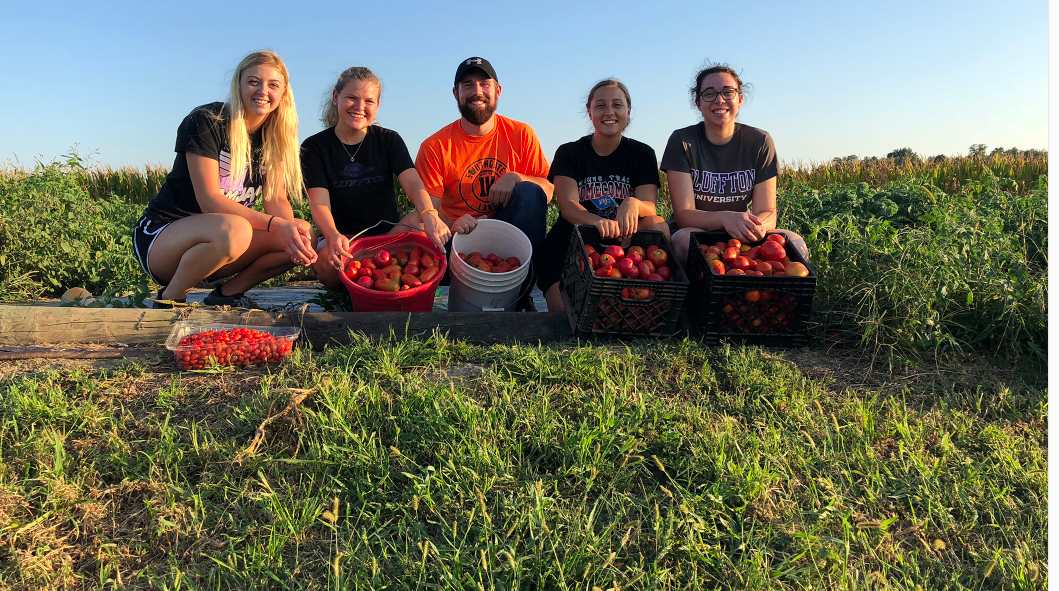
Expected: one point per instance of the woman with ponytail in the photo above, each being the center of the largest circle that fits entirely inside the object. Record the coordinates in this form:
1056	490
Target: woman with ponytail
349	171
201	226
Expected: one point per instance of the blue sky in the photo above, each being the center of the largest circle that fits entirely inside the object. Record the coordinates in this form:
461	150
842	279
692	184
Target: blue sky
830	78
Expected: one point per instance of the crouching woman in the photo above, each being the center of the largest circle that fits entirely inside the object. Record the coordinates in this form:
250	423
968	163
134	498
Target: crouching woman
201	225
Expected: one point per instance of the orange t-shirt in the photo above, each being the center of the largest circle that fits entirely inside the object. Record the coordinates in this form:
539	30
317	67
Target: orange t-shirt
460	168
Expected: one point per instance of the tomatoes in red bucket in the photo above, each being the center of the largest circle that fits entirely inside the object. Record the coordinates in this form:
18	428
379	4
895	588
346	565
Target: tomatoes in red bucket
413	299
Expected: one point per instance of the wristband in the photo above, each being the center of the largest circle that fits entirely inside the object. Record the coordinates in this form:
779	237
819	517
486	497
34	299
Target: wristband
268	228
426	211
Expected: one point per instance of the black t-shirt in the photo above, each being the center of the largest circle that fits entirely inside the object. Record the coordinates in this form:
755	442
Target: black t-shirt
361	191
723	176
205	132
603	182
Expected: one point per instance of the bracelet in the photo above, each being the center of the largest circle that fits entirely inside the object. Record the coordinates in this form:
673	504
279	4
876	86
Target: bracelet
268	228
427	210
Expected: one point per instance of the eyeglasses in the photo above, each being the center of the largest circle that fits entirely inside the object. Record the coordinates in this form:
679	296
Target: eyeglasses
710	95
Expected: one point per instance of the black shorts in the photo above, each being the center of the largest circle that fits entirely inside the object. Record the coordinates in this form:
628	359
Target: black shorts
550	256
143	237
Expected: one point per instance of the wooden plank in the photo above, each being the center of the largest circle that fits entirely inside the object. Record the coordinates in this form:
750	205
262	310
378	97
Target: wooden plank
35	325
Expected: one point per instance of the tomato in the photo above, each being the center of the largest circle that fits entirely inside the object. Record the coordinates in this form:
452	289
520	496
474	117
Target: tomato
593	258
607	260
501	267
366	282
664	272
591	249
796	269
401	257
382	258
412	269
411	280
639	251
428	273
634	257
646	268
603	271
729	255
427	261
741	263
417	251
514	262
717	267
780	238
773	251
777	267
733	243
735	272
615	273
658	257
615	251
387	285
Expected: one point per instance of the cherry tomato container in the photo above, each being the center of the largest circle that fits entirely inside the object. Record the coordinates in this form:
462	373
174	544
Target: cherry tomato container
777	315
416	299
595	306
229	344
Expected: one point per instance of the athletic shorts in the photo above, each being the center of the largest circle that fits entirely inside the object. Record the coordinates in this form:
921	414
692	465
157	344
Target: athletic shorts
143	237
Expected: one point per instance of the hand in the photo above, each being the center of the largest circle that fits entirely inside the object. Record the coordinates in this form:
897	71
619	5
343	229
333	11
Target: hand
607	228
744	226
337	250
502	188
436	229
465	224
628	217
297	240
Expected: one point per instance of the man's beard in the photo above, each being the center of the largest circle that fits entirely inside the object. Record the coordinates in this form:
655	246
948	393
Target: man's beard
477	115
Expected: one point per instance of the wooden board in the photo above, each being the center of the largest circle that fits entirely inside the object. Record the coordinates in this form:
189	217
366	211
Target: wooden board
36	325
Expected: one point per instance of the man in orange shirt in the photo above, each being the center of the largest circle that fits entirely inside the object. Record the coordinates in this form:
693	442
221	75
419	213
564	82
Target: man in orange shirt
484	164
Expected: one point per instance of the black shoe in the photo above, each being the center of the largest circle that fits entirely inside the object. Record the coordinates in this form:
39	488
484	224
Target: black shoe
156	305
236	300
525	304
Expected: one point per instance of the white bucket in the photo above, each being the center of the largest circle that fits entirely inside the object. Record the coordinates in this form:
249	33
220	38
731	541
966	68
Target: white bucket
472	290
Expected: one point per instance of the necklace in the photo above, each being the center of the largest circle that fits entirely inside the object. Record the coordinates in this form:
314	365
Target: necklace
359	146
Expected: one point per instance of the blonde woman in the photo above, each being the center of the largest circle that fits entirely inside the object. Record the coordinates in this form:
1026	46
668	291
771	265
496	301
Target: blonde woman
201	225
349	170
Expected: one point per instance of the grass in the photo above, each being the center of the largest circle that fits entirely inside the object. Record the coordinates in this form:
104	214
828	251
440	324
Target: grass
433	464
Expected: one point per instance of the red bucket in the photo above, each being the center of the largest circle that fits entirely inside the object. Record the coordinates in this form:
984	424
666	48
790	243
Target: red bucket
416	299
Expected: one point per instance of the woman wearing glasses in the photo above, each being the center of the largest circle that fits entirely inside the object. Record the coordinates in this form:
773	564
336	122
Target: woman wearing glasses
717	168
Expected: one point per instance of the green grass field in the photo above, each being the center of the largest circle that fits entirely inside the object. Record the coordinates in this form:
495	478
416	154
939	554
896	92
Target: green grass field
906	449
432	464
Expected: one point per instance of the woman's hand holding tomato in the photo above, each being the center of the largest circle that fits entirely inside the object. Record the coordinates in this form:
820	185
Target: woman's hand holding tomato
743	225
337	250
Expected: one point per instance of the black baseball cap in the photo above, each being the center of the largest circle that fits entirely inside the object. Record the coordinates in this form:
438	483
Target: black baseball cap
474	63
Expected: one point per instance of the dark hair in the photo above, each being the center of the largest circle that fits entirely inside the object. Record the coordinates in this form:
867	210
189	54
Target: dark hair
708	68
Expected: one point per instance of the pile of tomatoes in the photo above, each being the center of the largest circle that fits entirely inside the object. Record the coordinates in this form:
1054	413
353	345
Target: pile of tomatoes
637	263
393	271
238	347
765	259
759	310
490	263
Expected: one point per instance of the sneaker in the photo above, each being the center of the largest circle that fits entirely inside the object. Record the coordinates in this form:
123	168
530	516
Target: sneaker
156	305
236	300
525	304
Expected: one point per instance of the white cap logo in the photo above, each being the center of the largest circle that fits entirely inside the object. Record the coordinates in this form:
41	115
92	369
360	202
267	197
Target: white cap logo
474	60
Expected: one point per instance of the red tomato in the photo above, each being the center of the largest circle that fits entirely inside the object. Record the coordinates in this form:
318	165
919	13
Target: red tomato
777	238
658	257
729	254
735	272
733	243
637	251
428	273
773	251
741	263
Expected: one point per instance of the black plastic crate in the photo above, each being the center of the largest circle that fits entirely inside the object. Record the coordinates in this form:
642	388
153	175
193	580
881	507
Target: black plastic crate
721	309
594	305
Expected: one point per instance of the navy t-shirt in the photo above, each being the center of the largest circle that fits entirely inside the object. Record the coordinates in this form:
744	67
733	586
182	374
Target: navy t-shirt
362	191
205	132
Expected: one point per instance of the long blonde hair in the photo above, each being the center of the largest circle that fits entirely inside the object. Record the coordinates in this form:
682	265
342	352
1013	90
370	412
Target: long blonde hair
329	113
281	156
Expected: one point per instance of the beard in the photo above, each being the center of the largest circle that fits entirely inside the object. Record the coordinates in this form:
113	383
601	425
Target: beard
477	115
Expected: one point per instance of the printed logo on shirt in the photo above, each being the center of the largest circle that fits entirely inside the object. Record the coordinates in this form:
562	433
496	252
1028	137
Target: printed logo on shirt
723	187
605	193
236	190
358	175
476	181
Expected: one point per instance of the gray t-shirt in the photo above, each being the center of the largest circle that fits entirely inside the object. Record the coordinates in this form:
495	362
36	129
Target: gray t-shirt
723	176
